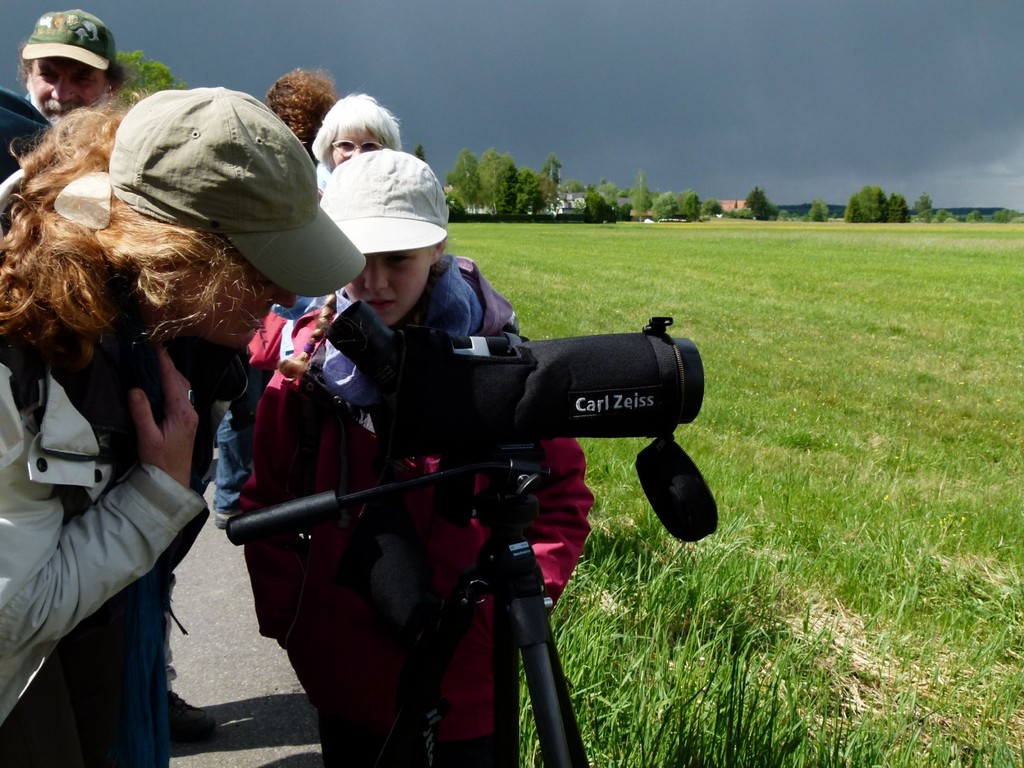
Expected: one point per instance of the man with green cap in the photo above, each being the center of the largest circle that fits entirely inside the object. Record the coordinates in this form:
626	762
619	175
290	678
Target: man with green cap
70	61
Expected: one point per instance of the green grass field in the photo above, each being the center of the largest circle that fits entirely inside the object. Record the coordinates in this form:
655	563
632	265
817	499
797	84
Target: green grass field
861	603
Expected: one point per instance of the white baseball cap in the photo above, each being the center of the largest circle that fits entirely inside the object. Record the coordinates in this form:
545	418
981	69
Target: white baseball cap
387	201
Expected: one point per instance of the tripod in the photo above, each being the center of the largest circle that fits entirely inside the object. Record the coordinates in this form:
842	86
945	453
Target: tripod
507	569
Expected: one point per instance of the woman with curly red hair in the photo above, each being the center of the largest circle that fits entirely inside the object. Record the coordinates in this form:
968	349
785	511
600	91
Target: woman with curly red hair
143	249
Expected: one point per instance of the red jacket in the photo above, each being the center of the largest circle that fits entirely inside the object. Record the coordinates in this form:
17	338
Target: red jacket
349	666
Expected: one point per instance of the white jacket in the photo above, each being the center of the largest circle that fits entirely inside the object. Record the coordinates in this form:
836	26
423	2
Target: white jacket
52	575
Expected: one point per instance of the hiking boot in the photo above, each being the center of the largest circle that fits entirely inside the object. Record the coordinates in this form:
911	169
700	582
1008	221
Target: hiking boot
223	515
188	723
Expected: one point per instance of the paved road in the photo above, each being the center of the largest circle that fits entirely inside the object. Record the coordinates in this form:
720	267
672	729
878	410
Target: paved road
225	666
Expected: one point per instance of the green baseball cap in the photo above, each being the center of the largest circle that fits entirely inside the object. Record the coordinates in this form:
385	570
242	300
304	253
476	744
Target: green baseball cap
220	161
74	35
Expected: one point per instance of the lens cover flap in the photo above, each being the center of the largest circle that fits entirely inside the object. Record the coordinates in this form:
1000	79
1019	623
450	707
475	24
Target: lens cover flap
676	490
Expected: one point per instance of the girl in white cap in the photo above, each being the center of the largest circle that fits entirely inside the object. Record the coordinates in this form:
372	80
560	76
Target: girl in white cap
349	649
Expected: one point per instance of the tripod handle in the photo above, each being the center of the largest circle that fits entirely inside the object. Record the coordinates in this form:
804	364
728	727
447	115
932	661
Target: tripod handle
281	518
302	514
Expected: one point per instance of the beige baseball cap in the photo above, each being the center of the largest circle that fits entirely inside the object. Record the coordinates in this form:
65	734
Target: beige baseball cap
220	161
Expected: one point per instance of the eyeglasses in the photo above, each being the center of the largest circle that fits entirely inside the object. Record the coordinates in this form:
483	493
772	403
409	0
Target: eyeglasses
350	147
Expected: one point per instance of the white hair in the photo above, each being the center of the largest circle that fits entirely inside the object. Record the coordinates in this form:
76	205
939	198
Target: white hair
355	114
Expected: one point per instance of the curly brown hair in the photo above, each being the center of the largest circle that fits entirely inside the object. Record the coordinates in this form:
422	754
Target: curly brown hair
55	273
301	98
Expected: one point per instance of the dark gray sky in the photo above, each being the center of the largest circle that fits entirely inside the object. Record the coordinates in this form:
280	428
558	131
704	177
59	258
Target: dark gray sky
804	99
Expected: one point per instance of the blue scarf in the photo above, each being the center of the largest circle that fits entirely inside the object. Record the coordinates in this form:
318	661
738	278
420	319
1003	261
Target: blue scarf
142	738
453	308
142	733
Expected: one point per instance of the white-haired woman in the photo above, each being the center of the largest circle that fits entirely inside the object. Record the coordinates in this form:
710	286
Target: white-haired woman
356	124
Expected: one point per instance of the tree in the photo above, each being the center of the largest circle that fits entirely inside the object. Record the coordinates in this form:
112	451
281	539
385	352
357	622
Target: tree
665	206
711	207
879	204
760	206
615	197
1005	216
464	179
641	196
548	191
597	210
148	76
456	209
898	210
508	189
528	193
552	169
974	217
942	216
690	208
852	214
609	191
923	206
420	153
819	210
493	168
870	205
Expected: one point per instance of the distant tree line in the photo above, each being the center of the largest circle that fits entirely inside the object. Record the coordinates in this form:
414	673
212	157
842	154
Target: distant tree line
872	205
493	185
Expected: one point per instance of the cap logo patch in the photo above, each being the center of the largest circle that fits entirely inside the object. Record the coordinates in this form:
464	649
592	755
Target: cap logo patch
87	31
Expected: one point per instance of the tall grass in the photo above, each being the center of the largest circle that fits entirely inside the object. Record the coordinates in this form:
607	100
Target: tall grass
862	601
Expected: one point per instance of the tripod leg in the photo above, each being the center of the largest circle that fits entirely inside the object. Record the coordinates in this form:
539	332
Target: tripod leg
557	731
572	729
506	693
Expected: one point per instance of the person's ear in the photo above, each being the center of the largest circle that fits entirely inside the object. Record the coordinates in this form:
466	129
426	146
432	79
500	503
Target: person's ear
439	250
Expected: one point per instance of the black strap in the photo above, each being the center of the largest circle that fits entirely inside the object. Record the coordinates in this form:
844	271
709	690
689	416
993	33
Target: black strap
139	364
27	369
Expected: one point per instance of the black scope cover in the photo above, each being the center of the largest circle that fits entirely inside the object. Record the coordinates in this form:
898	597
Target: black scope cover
613	385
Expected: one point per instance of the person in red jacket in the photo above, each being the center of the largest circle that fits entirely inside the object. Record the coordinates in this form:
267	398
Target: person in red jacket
344	650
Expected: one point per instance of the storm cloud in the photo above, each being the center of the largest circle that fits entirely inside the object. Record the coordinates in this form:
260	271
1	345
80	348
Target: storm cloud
805	100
